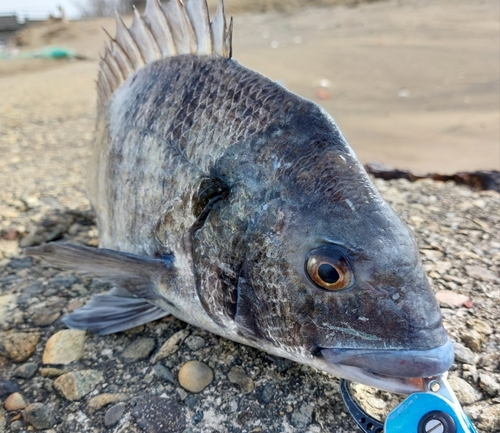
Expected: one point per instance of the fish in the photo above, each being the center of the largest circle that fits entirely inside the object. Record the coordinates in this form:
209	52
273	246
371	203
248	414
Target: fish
231	203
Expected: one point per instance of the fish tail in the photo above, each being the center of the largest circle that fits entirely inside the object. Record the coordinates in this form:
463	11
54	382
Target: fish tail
162	31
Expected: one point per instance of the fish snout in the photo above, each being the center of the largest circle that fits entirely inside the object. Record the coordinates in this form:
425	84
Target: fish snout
396	363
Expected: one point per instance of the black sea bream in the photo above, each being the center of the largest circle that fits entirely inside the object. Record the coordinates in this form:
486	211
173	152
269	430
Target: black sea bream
237	206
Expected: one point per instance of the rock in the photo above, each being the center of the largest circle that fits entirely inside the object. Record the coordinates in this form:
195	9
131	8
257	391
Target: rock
195	376
7	303
139	349
25	371
19	346
303	416
163	373
489	420
52	372
463	354
282	364
39	416
3	421
7	387
16	425
194	342
489	384
99	401
114	414
64	347
170	346
159	415
265	394
480	273
44	317
473	339
452	299
77	384
22	263
15	401
490	361
238	376
466	394
480	326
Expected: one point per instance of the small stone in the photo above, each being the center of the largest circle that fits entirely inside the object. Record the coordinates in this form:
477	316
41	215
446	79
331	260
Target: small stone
15	401
7	303
303	416
7	387
114	414
490	361
39	416
451	299
473	339
170	346
194	342
480	326
195	376
44	317
489	384
466	394
463	354
23	263
139	349
159	415
52	372
3	422
238	376
26	371
265	394
19	346
64	347
480	273
490	419
77	384
15	425
99	401
163	373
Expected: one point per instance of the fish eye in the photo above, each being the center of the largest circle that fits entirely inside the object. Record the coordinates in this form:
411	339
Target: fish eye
328	268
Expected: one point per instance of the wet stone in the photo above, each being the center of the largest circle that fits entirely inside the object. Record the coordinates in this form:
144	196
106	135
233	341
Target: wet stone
139	349
64	347
15	401
26	371
238	376
39	416
7	387
163	373
195	376
159	415
77	384
114	414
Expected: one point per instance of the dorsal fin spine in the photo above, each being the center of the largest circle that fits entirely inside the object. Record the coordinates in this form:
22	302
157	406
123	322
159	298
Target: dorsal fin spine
164	30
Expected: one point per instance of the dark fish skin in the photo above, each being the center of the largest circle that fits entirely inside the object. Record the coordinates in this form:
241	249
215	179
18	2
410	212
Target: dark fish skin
235	183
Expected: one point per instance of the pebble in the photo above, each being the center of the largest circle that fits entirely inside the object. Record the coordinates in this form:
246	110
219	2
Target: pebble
19	346
7	387
466	394
52	372
15	401
265	394
99	401
170	346
7	303
463	354
138	349
195	376
26	371
77	384
473	339
64	347
39	416
303	416
114	414
195	342
480	273
480	326
163	373
238	376
490	419
44	317
489	384
159	415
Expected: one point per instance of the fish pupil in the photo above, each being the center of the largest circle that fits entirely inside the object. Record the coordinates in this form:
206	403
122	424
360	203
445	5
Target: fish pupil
328	273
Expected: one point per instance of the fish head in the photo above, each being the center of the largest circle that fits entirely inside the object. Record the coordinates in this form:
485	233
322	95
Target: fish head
332	277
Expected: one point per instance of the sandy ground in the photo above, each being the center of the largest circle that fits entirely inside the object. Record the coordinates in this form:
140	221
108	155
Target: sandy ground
413	84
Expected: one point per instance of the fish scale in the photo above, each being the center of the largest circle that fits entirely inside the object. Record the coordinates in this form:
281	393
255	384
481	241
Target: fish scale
226	200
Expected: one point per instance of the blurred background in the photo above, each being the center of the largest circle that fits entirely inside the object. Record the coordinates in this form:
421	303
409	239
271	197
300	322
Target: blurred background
413	84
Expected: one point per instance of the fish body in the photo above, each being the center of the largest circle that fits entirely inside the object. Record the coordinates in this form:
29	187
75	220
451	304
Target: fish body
238	206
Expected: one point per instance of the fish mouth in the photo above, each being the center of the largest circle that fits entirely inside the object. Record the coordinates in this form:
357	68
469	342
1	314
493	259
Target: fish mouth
399	371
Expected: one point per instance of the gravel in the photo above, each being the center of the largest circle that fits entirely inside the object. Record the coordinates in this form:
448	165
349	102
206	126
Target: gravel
44	143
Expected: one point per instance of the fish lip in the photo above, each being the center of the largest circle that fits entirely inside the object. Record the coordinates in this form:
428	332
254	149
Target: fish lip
393	370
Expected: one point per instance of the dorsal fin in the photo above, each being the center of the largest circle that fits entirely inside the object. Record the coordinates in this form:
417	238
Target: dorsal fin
178	27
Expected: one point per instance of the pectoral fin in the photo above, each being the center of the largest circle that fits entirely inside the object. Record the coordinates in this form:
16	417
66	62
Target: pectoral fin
136	299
